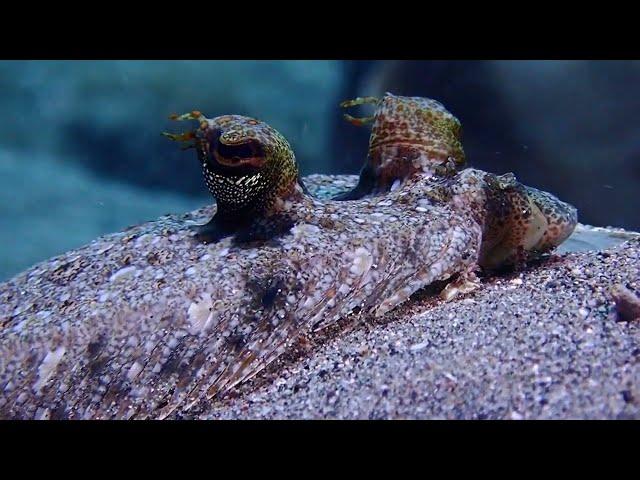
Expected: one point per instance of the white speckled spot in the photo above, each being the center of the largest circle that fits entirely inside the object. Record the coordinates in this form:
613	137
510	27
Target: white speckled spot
122	274
362	261
419	346
143	239
43	314
42	414
199	314
104	249
48	366
304	229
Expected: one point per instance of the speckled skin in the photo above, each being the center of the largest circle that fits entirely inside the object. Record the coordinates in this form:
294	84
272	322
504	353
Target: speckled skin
410	136
561	219
417	136
248	167
149	322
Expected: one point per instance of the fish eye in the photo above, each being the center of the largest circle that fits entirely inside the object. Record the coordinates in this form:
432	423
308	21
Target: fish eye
238	151
246	153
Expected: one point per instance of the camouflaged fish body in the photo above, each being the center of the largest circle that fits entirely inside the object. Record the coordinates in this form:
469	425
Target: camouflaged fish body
85	337
150	322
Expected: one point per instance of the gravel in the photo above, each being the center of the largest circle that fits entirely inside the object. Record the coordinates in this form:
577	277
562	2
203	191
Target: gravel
546	343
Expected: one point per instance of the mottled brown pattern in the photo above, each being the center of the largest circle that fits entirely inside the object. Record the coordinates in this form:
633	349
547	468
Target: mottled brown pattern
409	136
418	136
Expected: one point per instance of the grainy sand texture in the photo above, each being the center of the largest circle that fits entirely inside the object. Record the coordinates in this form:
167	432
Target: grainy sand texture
547	343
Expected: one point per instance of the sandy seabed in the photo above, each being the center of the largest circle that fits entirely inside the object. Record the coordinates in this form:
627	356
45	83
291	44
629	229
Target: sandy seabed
547	343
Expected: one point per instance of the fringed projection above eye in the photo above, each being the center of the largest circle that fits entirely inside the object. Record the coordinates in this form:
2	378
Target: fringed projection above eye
186	138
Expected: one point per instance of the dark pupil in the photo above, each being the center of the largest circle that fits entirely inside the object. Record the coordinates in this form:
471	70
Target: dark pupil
245	150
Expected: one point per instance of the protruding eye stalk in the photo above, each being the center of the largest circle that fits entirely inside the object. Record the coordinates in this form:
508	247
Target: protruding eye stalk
502	182
358	122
